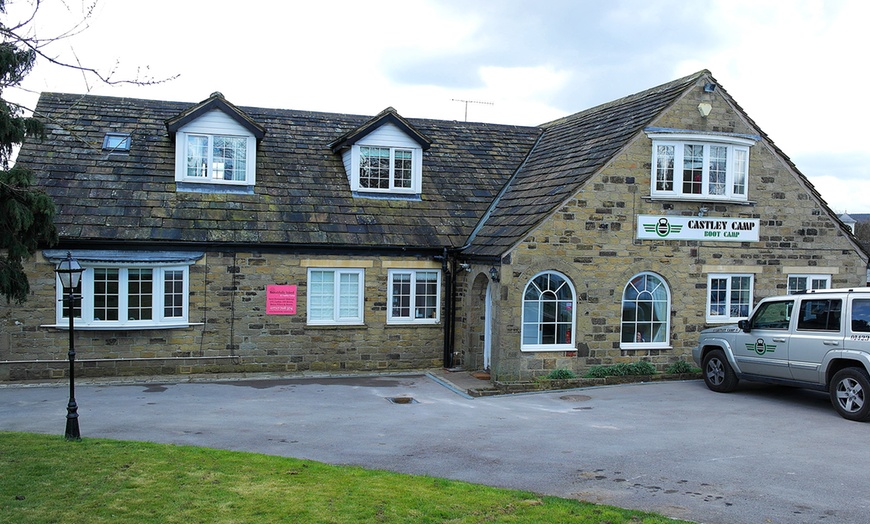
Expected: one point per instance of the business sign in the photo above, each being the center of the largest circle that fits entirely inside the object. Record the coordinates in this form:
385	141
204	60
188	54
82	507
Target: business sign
719	229
280	300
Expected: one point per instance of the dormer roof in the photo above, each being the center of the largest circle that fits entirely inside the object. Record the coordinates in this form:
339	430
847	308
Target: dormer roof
218	102
387	116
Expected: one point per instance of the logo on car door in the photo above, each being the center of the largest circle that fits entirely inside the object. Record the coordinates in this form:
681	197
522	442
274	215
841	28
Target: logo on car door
760	347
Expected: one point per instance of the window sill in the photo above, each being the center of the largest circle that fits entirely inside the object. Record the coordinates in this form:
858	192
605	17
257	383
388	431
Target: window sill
397	324
121	327
235	188
698	199
387	195
538	348
641	347
336	326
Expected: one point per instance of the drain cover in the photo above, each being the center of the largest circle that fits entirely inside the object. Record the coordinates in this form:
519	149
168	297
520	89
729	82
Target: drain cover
575	398
402	400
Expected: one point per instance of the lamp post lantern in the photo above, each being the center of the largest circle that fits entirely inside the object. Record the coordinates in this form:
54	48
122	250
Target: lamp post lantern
70	273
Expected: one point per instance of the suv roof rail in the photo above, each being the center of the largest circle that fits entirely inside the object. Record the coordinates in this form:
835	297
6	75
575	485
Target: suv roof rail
835	290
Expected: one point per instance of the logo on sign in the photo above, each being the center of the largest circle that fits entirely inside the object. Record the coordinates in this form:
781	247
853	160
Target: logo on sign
662	228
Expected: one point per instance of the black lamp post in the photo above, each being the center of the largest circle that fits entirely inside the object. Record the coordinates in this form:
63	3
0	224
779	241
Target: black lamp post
70	273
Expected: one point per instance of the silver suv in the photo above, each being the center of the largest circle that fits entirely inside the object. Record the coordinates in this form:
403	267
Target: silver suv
816	339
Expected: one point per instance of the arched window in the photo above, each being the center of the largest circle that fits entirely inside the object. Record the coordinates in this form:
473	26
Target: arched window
548	313
646	306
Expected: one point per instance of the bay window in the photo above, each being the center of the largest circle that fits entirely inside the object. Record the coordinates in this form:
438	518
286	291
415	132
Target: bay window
128	297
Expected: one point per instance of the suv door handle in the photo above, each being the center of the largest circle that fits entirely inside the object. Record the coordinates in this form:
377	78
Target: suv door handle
779	340
831	342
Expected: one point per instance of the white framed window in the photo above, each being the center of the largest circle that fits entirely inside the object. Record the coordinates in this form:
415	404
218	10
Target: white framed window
548	313
214	149
216	158
385	162
115	296
335	296
700	167
798	283
414	296
385	168
646	318
729	297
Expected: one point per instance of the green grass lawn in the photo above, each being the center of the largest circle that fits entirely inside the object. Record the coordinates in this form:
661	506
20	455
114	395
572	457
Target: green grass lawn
47	479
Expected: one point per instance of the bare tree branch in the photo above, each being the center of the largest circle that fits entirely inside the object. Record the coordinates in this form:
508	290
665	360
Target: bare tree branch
21	34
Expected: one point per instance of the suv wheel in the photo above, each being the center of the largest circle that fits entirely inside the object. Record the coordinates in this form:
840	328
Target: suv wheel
849	389
718	374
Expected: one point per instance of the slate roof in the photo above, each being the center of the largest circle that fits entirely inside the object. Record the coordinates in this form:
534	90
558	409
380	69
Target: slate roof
570	151
485	187
302	194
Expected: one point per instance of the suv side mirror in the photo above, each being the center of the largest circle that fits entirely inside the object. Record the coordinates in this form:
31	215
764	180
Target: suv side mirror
744	325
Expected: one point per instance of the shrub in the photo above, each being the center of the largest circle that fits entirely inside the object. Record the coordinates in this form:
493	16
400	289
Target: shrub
618	370
680	367
561	374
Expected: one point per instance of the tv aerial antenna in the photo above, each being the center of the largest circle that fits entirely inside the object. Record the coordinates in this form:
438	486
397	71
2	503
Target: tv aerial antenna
466	102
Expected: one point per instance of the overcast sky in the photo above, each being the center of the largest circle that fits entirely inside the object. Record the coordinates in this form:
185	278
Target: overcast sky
798	68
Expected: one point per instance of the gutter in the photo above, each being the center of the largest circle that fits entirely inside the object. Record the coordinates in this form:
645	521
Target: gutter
449	312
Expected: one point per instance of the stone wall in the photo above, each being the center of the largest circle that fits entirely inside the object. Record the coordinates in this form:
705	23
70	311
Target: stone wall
592	240
230	330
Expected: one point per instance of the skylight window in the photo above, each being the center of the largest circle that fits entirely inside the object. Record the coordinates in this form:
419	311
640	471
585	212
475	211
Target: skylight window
116	142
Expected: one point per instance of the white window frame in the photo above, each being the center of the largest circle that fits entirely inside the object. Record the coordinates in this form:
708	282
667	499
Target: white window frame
414	316
662	344
571	334
337	318
810	282
181	160
730	315
416	170
211	125
159	320
737	166
392	187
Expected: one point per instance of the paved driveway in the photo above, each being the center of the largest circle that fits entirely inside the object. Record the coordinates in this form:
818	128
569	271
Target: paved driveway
763	454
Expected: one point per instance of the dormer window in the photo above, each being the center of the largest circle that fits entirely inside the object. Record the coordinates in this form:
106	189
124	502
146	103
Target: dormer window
385	168
215	145
383	157
694	166
213	149
217	158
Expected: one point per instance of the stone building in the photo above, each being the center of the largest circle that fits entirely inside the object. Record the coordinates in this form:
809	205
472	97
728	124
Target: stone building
225	239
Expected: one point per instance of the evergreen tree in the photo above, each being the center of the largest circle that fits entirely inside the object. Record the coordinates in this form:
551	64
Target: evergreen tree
26	213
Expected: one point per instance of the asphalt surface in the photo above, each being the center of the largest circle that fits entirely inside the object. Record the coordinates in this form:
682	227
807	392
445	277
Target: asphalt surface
764	454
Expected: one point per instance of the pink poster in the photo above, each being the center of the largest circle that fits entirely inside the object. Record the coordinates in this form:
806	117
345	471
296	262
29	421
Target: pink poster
280	300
